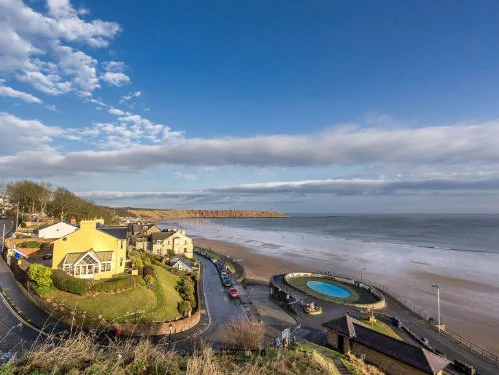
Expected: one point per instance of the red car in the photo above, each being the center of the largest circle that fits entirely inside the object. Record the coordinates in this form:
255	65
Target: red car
233	293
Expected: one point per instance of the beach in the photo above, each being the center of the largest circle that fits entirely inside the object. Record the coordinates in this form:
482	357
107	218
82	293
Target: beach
469	304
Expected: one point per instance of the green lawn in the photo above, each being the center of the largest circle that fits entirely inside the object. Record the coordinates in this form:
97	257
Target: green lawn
382	328
167	297
139	303
359	295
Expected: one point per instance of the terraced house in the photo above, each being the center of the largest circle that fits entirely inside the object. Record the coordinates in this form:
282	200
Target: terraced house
171	240
93	251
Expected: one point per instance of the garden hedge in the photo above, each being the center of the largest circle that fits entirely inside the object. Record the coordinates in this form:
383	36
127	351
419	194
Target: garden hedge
115	285
70	284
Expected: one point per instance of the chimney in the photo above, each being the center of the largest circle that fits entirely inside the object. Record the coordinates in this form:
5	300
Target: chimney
73	221
88	224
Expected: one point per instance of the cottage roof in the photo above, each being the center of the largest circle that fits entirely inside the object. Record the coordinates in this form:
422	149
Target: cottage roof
161	236
182	260
45	226
411	355
117	232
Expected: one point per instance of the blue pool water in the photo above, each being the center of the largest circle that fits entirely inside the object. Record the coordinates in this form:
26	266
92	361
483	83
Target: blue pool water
329	289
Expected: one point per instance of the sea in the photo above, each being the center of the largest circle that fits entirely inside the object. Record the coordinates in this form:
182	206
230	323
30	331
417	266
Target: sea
464	246
406	253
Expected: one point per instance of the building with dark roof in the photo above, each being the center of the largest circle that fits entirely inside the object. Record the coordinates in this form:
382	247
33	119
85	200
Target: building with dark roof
92	252
181	264
392	356
171	240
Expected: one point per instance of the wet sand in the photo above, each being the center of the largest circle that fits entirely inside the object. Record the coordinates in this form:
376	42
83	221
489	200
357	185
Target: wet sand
462	300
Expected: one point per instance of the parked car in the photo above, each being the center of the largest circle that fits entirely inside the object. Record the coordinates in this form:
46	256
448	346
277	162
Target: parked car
5	357
226	281
214	261
223	274
465	368
3	216
396	322
425	341
233	293
47	256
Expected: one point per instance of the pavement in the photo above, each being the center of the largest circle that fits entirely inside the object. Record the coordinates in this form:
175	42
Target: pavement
311	327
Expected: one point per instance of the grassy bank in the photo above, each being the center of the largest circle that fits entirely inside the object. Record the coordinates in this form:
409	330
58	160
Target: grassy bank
80	355
140	303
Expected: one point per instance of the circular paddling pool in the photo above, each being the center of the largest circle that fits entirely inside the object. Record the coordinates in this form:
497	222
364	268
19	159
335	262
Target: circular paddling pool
330	290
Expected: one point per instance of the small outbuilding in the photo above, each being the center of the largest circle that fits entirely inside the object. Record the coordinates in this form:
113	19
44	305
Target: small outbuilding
54	231
181	264
392	356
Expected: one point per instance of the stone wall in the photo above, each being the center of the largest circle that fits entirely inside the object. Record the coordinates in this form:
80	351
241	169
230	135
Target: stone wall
378	305
387	364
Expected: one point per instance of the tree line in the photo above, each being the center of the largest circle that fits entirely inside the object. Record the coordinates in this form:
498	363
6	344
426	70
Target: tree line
58	202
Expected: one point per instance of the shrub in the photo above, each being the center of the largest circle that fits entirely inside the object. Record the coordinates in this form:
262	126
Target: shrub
184	308
249	336
46	247
23	225
69	284
137	260
115	285
40	275
149	279
171	253
148	270
29	244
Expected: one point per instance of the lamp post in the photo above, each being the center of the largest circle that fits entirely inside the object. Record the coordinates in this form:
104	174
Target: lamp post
361	270
437	287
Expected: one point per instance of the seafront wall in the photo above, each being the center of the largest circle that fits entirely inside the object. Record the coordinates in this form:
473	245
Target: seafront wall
347	280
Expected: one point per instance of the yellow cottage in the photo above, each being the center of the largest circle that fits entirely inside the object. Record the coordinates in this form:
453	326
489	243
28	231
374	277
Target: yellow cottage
92	252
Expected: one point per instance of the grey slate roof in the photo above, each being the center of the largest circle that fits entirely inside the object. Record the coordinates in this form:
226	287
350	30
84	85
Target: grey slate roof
117	232
411	355
182	260
161	236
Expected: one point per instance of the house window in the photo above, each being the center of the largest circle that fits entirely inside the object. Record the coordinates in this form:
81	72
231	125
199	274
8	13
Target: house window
185	242
168	242
106	266
185	250
158	251
121	261
159	242
144	227
122	244
180	267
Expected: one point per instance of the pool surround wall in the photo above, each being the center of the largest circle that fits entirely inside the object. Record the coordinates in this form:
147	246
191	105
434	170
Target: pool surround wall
342	279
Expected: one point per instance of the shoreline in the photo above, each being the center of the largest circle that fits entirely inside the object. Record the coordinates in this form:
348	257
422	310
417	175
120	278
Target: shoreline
463	298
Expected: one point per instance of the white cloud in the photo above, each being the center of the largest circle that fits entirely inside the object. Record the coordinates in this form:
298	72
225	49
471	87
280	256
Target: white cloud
33	46
130	95
116	79
20	135
12	93
114	73
117	112
134	143
339	187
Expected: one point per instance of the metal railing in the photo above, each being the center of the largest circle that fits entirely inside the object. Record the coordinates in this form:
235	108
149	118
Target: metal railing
456	337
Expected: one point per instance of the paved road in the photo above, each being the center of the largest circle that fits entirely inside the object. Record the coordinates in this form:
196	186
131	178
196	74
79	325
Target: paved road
14	336
221	308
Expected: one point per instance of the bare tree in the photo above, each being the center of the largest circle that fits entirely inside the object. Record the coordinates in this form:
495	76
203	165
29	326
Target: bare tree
248	336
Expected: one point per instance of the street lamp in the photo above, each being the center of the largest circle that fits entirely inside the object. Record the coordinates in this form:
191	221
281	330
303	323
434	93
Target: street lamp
437	287
361	270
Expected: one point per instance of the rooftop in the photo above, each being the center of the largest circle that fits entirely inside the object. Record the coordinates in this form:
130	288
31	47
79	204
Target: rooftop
411	355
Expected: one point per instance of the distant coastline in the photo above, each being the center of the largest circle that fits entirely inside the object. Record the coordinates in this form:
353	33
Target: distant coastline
155	215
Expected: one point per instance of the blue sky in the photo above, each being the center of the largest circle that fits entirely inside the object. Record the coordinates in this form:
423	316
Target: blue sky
296	106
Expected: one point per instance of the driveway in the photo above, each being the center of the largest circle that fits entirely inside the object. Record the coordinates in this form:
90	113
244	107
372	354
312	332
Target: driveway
221	308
